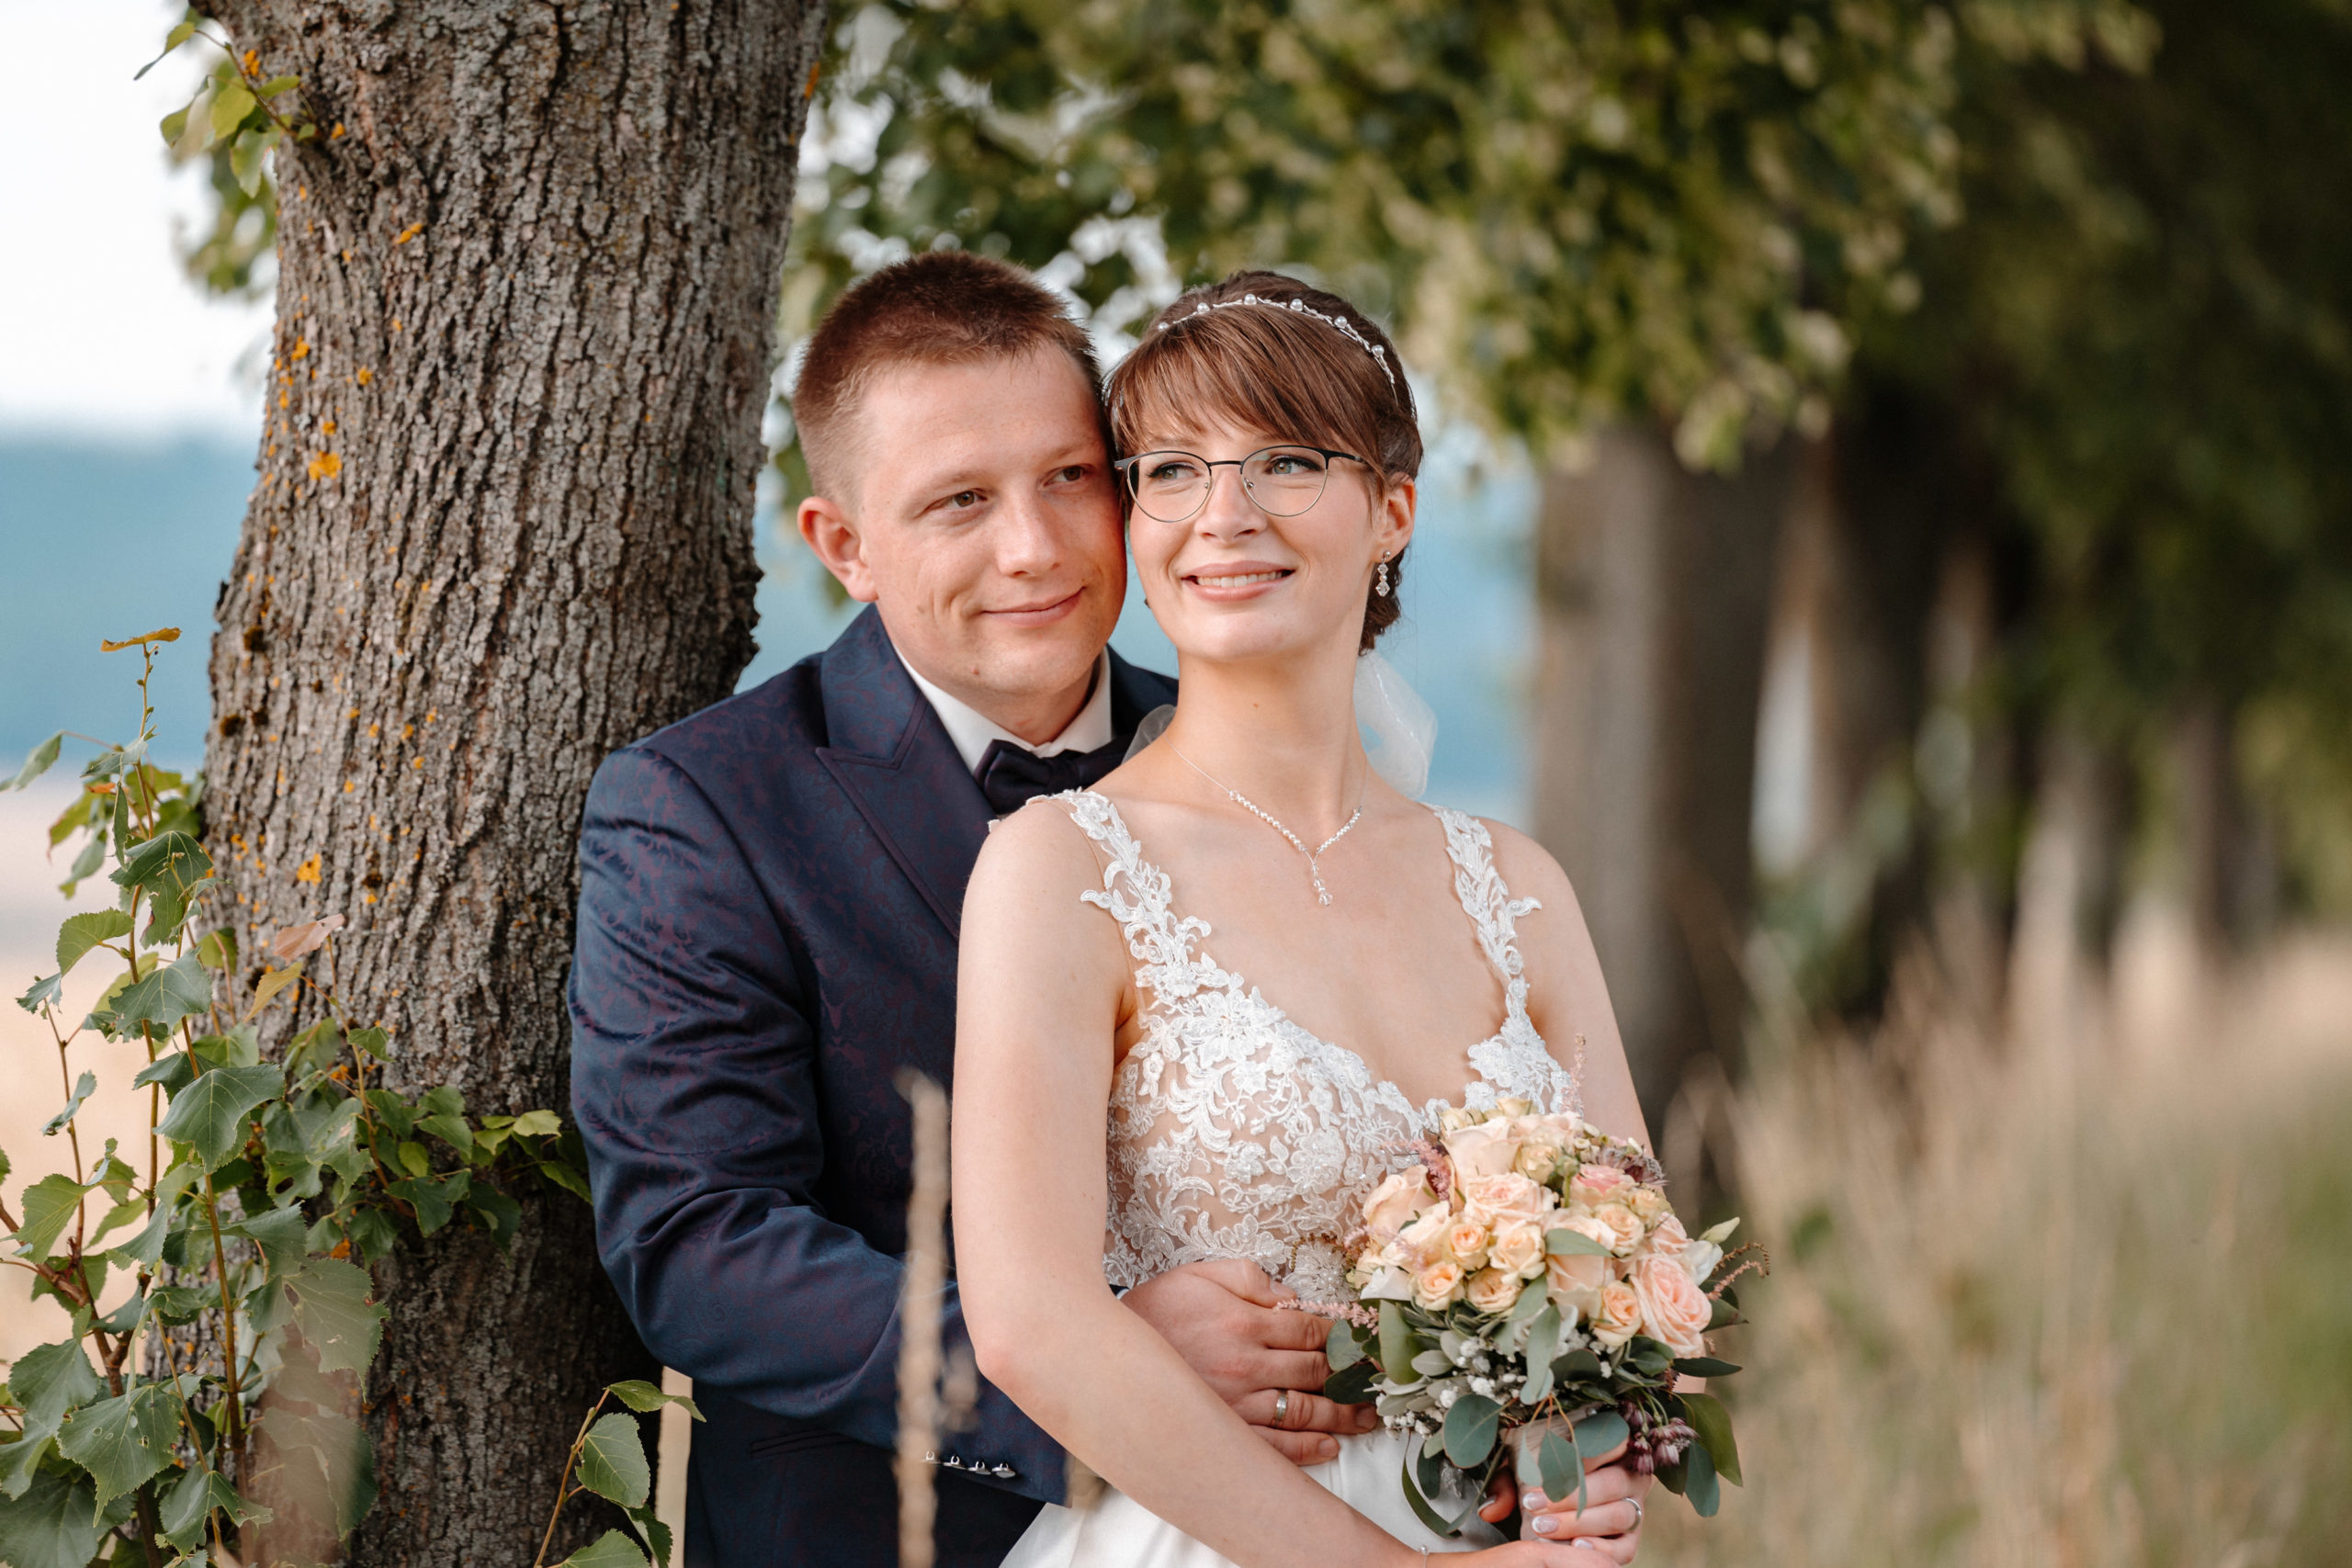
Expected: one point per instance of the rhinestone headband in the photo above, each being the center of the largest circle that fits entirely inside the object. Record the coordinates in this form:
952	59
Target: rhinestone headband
1299	308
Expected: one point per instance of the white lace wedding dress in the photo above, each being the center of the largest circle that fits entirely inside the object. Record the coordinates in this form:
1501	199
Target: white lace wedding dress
1235	1133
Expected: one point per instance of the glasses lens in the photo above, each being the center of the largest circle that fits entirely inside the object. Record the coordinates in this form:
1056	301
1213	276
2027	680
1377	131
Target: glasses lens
1169	485
1285	480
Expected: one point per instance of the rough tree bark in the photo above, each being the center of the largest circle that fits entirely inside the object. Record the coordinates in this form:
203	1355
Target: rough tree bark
1654	585
503	526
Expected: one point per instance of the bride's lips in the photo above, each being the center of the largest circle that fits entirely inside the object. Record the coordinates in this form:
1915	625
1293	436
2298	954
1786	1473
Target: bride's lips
1230	581
1041	615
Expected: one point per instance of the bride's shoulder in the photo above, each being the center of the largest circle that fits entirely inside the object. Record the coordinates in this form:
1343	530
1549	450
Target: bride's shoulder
1526	867
1040	842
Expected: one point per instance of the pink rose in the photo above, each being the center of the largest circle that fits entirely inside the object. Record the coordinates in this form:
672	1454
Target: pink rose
1485	1148
1594	1185
1674	1310
1393	1204
1507	1198
1620	1318
1617	1228
1438	1286
1577	1282
1425	1237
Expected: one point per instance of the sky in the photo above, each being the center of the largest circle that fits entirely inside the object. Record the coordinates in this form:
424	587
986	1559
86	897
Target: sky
100	330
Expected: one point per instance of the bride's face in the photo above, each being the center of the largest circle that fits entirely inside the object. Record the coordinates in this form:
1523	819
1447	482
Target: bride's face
1236	582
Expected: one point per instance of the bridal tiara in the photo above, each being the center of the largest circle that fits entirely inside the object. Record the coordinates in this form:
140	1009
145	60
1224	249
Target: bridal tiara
1299	308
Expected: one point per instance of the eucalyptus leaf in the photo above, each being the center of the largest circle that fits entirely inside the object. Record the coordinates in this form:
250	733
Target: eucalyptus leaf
611	1461
1470	1429
1565	1242
1423	1510
1341	1346
1398	1345
1542	1346
1600	1432
1561	1470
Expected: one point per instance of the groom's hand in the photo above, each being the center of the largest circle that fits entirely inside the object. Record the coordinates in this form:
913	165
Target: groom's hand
1224	1319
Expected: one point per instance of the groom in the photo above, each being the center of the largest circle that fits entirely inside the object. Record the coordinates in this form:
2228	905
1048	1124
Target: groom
769	899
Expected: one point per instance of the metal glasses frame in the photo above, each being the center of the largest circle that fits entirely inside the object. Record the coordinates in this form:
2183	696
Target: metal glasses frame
1126	469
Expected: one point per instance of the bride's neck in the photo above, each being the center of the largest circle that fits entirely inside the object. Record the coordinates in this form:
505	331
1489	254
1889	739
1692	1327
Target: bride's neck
1285	737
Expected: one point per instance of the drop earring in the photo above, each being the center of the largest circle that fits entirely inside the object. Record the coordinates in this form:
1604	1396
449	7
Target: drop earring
1380	579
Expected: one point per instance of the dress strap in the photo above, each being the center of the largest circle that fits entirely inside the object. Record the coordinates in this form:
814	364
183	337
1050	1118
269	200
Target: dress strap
1137	894
1492	911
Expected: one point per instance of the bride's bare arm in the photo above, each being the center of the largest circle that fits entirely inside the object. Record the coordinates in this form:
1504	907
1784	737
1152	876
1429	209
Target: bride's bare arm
1039	1000
1566	995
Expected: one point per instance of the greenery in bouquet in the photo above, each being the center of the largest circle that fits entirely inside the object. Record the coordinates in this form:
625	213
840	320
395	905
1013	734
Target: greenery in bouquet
217	1279
1524	1289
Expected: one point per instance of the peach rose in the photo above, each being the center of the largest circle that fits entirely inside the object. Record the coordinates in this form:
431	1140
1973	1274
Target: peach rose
1620	1318
1518	1250
1465	1241
1513	1107
1594	1185
1486	1149
1400	1196
1616	1228
1577	1282
1493	1290
1648	1202
1537	1159
1425	1238
1438	1286
1507	1198
1674	1310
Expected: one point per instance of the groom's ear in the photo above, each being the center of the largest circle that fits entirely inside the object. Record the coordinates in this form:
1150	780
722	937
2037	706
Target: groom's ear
832	536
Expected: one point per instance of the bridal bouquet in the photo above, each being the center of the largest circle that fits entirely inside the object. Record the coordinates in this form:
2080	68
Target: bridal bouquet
1526	1294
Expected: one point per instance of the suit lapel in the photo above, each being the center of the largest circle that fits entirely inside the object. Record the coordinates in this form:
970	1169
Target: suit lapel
891	756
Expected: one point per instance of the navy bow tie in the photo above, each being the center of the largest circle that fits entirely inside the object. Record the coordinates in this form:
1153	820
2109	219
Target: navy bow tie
1012	776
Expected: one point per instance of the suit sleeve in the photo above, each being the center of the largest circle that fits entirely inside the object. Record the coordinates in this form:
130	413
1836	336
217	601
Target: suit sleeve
695	1086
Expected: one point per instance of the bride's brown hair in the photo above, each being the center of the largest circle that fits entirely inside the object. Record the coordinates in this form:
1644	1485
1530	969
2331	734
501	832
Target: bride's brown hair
1283	371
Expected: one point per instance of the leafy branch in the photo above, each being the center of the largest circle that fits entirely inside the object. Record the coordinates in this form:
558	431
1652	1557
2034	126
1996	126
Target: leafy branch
608	1459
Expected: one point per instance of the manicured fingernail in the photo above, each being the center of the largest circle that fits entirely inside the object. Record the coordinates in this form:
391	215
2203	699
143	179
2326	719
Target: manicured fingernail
1546	1524
1533	1499
1329	1447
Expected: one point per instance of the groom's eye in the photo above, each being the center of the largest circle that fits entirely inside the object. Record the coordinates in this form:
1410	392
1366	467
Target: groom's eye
963	500
1071	475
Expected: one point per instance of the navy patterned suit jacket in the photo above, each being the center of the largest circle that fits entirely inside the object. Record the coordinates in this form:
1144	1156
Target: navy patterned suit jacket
769	897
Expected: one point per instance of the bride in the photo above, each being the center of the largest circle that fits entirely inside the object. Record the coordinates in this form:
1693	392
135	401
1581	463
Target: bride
1264	961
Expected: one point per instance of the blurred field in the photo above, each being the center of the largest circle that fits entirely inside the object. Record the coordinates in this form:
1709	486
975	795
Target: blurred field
2080	1298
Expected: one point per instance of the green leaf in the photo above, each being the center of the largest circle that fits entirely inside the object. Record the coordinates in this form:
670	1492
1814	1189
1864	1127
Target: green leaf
191	1500
173	1070
1699	1482
1422	1509
1341	1346
435	1201
82	932
218	951
1564	1243
169	866
281	1233
537	1123
1703	1367
1724	1315
1561	1470
50	1380
1713	1423
51	1525
611	1461
82	1089
1542	1346
245	158
213	1113
161	997
610	1550
1398	1345
48	1208
1600	1432
124	1440
373	1041
240	1047
172	40
42	994
146	1248
276	86
336	1317
653	1532
1575	1364
1470	1427
1353	1384
37	763
644	1397
500	1215
564	1176
231	103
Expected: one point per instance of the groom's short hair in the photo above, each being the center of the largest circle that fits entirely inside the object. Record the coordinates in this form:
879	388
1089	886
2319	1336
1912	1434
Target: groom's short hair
939	308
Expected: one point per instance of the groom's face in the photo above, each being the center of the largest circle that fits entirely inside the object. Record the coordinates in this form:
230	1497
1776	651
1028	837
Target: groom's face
983	519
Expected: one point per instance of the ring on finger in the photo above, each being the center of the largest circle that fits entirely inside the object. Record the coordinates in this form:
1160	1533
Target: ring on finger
1281	1408
1637	1513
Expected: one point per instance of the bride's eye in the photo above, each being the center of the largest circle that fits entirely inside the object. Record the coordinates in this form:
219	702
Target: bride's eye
1287	464
1172	471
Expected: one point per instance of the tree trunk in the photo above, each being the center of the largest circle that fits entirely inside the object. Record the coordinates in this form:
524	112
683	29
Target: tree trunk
527	277
1653	587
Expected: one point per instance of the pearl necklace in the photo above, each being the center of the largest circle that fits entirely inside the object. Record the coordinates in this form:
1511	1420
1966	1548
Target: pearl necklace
1322	894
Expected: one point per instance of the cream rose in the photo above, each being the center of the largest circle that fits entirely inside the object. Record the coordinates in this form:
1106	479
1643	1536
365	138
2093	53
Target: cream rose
1620	1318
1493	1290
1578	1282
1674	1310
1618	1228
1465	1241
1519	1249
1507	1198
1486	1149
1594	1185
1399	1197
1438	1286
1424	1239
1537	1160
1648	1202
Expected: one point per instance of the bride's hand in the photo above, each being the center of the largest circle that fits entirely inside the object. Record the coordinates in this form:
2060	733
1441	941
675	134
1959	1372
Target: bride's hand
1223	1317
1531	1555
1610	1519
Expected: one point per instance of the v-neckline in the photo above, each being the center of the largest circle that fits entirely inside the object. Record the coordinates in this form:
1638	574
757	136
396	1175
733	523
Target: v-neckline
1198	958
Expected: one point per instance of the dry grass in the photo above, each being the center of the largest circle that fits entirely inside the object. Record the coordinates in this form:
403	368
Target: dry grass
2082	1300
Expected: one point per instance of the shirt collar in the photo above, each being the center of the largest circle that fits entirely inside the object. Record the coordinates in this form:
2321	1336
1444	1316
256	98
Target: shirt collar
972	731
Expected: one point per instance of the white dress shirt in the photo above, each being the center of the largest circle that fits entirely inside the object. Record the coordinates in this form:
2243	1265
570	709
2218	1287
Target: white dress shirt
972	730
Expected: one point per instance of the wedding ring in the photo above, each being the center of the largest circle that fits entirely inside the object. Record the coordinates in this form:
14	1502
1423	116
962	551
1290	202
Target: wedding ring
1281	1408
1637	1513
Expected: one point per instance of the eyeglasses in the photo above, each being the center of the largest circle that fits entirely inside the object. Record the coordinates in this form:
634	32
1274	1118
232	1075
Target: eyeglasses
1172	487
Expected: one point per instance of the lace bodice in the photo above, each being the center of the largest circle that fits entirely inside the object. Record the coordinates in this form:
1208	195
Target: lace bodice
1234	1133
